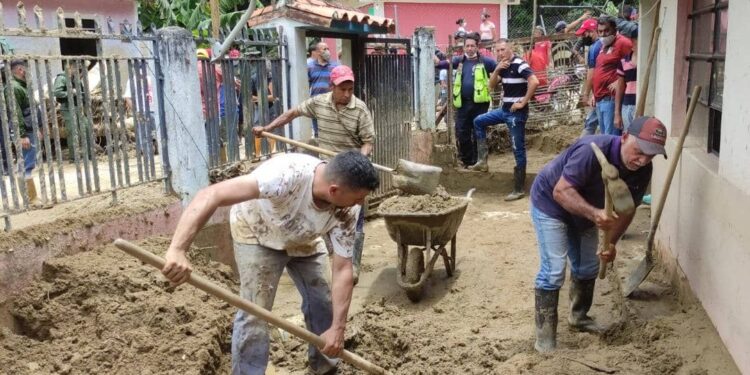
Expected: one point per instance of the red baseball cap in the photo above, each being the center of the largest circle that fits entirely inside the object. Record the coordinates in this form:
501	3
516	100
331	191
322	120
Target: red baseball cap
341	73
651	135
588	25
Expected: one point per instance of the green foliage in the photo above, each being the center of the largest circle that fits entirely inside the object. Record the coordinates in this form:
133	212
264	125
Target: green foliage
191	14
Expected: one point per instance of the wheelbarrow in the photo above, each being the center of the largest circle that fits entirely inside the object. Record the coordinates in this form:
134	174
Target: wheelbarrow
427	234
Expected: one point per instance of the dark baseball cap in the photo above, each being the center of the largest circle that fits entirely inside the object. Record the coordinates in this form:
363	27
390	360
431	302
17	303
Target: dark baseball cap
16	62
651	135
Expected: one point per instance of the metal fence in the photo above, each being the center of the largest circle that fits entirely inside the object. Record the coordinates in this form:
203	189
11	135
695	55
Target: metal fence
387	86
549	13
86	122
242	90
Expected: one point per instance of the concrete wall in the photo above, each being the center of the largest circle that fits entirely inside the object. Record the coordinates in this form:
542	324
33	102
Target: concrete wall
703	230
119	10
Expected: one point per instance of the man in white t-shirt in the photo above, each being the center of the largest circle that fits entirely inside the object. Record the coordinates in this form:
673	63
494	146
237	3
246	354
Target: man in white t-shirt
279	213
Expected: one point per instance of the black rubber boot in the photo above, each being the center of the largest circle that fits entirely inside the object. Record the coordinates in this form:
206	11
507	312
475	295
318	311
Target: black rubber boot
482	152
519	183
359	242
581	297
546	319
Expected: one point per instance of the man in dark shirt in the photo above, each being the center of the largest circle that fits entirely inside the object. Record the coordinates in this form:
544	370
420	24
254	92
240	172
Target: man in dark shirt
472	98
519	85
319	75
567	200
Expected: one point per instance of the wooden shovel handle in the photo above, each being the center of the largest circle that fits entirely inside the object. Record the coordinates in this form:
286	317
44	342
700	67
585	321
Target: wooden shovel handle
607	204
249	307
315	149
606	238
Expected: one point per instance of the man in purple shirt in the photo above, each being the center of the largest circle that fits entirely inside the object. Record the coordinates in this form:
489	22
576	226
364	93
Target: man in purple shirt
567	200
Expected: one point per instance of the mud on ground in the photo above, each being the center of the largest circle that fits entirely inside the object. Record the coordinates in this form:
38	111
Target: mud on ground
481	320
104	312
39	225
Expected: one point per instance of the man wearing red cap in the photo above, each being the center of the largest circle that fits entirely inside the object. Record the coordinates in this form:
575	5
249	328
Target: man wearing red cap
344	123
567	200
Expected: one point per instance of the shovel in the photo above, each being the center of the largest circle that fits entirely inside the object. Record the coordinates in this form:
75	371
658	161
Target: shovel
249	307
410	177
617	198
647	264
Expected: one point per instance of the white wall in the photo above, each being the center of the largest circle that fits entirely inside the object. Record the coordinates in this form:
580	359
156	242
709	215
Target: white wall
704	225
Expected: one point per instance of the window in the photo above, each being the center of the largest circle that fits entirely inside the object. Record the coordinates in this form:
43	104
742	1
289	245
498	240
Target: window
706	64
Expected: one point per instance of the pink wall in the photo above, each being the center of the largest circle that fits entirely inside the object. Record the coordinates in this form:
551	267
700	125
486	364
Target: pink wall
442	16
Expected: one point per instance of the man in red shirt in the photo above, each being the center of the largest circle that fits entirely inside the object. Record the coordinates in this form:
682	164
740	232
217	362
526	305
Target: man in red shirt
614	48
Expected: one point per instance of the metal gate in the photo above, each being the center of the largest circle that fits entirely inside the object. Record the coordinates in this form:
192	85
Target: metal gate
241	90
387	86
83	124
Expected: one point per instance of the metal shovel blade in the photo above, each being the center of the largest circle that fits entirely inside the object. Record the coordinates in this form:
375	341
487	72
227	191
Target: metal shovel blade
639	275
415	178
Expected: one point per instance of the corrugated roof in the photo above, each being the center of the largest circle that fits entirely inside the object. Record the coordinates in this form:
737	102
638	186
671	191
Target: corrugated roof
319	12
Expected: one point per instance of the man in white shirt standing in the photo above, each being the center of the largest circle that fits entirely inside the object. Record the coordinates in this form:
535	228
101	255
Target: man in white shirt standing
279	213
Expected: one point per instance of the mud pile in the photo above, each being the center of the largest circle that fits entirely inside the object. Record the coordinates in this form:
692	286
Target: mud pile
436	202
103	312
407	343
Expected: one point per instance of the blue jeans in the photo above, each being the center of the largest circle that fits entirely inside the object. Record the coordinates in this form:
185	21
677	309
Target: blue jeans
605	110
558	241
260	269
591	122
29	155
516	122
467	144
628	115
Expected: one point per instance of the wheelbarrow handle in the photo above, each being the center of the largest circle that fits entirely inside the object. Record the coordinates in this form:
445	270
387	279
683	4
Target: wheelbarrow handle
316	149
251	308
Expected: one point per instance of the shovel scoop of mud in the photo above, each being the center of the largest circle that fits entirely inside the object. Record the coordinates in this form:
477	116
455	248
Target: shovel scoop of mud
415	178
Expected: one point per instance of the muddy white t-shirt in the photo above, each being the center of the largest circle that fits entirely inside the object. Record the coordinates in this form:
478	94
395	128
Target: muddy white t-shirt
285	216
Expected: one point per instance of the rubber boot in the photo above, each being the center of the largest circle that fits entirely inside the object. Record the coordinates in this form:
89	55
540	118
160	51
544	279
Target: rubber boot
31	191
519	183
546	319
581	297
482	152
359	242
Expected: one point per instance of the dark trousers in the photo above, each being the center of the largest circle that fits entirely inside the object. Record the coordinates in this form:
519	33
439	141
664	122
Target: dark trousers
466	143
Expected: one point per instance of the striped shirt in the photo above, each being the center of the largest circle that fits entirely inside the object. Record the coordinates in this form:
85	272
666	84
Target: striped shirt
629	71
340	129
319	77
515	82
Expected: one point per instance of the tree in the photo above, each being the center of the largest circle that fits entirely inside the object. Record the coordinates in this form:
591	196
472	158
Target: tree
191	14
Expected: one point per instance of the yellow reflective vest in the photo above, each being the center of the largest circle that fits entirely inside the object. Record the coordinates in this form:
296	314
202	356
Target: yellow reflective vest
481	85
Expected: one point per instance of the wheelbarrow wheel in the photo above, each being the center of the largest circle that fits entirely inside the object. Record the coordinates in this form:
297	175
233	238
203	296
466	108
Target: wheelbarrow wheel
414	270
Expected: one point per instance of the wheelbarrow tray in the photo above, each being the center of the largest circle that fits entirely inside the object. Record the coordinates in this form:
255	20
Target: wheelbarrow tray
411	229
